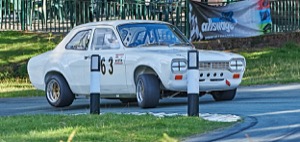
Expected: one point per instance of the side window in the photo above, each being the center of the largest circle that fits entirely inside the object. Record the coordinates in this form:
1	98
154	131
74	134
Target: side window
105	38
80	41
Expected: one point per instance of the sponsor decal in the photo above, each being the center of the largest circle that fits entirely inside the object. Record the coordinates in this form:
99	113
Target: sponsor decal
119	59
224	23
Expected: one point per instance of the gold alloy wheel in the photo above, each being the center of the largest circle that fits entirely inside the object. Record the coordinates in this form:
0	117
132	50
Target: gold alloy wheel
53	91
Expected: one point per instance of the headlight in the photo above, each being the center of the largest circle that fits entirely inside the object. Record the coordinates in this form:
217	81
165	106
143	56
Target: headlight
236	65
179	65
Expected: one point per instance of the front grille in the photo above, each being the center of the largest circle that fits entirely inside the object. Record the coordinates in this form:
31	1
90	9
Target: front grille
213	65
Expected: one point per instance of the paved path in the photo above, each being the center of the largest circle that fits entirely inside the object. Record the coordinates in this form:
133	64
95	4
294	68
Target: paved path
273	111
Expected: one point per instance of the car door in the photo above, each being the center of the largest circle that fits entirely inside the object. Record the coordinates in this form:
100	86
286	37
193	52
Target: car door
113	76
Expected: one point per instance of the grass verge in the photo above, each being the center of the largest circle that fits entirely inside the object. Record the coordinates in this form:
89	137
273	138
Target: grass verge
16	48
106	127
272	65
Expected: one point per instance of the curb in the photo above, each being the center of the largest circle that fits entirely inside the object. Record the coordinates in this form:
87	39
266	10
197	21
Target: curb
248	122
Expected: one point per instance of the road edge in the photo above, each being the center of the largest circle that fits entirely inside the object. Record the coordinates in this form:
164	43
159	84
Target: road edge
248	122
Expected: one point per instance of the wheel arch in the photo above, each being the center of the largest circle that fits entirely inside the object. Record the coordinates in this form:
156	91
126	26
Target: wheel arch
144	69
53	72
49	73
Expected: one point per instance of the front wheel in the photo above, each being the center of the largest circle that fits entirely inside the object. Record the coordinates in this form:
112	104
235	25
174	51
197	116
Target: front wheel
58	92
224	95
147	91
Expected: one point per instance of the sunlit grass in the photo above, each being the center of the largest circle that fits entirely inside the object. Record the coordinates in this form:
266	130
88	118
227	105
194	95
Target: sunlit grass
16	87
16	48
106	127
273	65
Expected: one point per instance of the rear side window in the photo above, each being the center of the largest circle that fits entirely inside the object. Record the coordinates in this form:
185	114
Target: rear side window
80	41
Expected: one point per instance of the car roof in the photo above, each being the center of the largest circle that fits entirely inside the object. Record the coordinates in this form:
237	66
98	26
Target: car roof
116	23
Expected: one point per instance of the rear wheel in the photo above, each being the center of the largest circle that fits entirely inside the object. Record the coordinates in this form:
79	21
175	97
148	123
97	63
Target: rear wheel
58	92
147	91
224	95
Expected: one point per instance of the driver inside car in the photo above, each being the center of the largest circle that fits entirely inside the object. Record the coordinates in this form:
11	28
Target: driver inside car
111	40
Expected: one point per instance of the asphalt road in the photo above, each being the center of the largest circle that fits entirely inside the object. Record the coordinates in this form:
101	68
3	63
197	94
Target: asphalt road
274	111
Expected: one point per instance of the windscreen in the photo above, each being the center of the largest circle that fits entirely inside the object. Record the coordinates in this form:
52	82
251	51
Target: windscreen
151	34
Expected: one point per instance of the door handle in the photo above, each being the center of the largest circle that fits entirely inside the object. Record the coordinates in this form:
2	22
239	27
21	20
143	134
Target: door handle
87	57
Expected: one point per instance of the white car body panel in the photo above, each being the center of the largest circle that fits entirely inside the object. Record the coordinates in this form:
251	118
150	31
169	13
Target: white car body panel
75	68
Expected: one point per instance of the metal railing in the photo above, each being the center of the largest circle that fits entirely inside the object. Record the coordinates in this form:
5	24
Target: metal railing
285	15
63	15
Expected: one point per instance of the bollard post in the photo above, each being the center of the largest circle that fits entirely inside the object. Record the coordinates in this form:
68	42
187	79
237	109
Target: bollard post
95	85
193	83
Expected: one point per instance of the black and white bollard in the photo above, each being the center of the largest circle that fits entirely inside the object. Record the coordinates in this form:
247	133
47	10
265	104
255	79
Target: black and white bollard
95	85
193	83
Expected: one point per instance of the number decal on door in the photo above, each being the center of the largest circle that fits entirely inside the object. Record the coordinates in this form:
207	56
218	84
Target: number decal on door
111	70
103	67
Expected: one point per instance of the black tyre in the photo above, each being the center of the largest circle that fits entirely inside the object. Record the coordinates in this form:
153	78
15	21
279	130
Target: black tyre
147	91
58	92
224	95
128	100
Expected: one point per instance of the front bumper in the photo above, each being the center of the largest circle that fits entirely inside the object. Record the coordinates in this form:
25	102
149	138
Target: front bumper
208	81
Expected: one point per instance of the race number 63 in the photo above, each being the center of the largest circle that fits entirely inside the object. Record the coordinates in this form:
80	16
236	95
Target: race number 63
103	66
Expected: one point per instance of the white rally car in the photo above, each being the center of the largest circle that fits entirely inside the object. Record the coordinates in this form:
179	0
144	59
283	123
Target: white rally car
141	61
